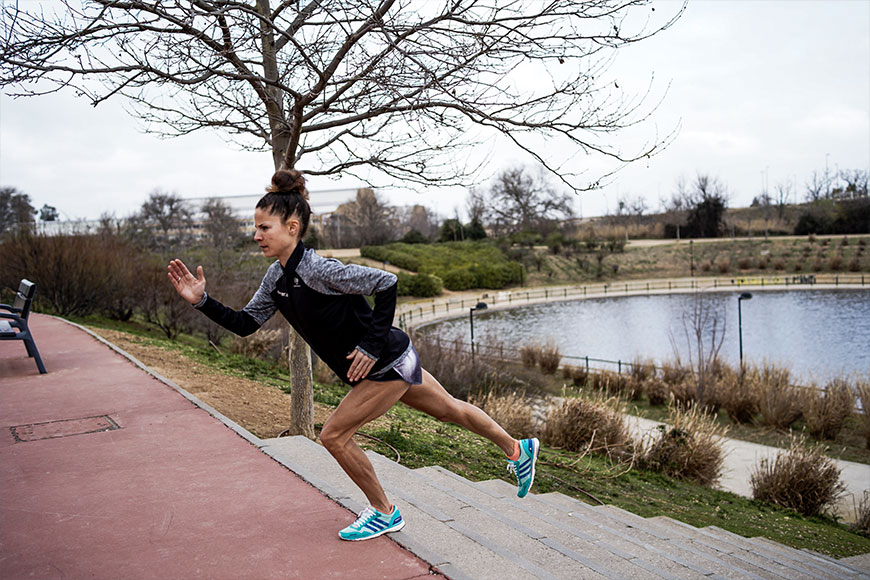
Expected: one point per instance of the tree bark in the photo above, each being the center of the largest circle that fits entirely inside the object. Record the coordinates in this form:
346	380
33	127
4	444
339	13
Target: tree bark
301	392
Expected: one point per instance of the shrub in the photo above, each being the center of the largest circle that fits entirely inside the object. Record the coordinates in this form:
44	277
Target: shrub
608	382
642	372
861	525
818	266
80	274
862	389
684	393
529	355
597	423
548	359
835	263
778	401
657	391
801	478
578	375
510	410
798	266
779	264
826	410
690	448
854	265
418	285
459	279
762	263
737	393
744	263
673	372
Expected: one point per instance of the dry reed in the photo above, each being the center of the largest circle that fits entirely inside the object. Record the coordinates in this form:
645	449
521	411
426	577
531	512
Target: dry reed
826	410
511	410
689	448
778	401
802	478
596	423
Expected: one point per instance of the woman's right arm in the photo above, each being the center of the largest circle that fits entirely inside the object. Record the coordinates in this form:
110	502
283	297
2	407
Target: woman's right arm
243	322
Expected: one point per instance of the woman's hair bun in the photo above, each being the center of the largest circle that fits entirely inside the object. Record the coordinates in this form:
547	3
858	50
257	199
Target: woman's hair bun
288	182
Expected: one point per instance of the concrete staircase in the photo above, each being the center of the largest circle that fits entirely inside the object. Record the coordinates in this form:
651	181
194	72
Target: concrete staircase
483	531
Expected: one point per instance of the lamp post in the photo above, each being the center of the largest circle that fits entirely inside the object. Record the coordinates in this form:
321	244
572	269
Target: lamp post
692	255
741	298
478	306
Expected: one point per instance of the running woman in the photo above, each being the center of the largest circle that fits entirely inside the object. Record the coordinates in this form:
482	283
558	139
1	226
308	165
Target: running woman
323	299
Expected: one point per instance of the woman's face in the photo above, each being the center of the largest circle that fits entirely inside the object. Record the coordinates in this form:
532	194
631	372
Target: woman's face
276	239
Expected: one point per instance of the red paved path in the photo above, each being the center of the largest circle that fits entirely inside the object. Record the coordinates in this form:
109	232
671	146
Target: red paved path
171	494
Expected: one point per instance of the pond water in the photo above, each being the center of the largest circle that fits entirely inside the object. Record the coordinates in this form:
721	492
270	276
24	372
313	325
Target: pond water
819	334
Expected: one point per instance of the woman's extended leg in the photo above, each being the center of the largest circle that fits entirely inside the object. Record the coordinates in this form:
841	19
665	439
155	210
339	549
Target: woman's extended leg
431	398
366	401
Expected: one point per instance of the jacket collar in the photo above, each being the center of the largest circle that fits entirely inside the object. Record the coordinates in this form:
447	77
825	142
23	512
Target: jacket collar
295	257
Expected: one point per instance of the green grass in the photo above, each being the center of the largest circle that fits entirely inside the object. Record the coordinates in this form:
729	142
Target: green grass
422	441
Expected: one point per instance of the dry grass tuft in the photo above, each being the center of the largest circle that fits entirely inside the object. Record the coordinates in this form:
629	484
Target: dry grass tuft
657	391
826	410
778	400
689	448
529	355
862	388
511	410
736	393
862	516
596	423
549	358
801	478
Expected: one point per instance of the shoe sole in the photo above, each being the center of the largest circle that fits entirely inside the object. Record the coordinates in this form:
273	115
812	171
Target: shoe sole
395	528
534	460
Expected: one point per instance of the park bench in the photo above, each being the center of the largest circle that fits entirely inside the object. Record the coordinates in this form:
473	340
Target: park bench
13	321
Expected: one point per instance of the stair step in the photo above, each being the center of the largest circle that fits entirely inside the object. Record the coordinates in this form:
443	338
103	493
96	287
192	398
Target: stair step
635	565
453	547
545	556
482	530
634	528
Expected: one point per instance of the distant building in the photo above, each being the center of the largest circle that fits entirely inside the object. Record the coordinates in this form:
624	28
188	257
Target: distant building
323	204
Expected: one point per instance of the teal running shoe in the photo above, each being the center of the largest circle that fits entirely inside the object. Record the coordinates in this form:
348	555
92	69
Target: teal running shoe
371	523
524	467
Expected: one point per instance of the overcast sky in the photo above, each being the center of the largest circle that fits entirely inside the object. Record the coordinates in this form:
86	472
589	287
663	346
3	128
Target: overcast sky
762	92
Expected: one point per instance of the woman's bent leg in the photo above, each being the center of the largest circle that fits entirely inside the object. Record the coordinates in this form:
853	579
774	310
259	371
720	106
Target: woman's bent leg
431	398
365	402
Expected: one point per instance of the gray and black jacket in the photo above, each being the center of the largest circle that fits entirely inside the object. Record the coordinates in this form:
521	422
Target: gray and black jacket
323	299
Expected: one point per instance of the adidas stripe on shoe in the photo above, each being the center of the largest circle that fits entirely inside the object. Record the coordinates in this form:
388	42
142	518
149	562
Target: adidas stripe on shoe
371	523
524	467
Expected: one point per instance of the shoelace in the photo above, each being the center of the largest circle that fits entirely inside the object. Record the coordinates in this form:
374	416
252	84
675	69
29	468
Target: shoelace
512	468
364	517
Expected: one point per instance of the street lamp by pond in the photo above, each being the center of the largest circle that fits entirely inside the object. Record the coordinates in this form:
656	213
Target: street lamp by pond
692	255
741	298
479	306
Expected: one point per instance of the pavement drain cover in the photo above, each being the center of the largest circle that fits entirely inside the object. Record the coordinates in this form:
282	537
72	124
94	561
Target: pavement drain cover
63	428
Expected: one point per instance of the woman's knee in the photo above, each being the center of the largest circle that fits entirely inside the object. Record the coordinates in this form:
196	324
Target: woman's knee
331	438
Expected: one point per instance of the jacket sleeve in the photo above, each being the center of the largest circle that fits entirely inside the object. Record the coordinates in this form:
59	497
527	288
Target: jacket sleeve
237	321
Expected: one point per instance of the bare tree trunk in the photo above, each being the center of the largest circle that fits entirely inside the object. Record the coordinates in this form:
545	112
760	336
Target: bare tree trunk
301	392
301	388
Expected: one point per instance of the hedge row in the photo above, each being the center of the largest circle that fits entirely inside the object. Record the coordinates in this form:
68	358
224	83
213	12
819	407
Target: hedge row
460	265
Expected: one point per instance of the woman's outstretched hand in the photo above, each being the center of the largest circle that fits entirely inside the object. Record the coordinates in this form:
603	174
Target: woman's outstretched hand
189	287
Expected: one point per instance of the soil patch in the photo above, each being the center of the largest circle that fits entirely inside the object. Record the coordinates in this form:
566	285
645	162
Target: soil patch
261	409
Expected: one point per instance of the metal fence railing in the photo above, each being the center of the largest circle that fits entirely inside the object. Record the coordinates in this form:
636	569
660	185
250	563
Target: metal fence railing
414	314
